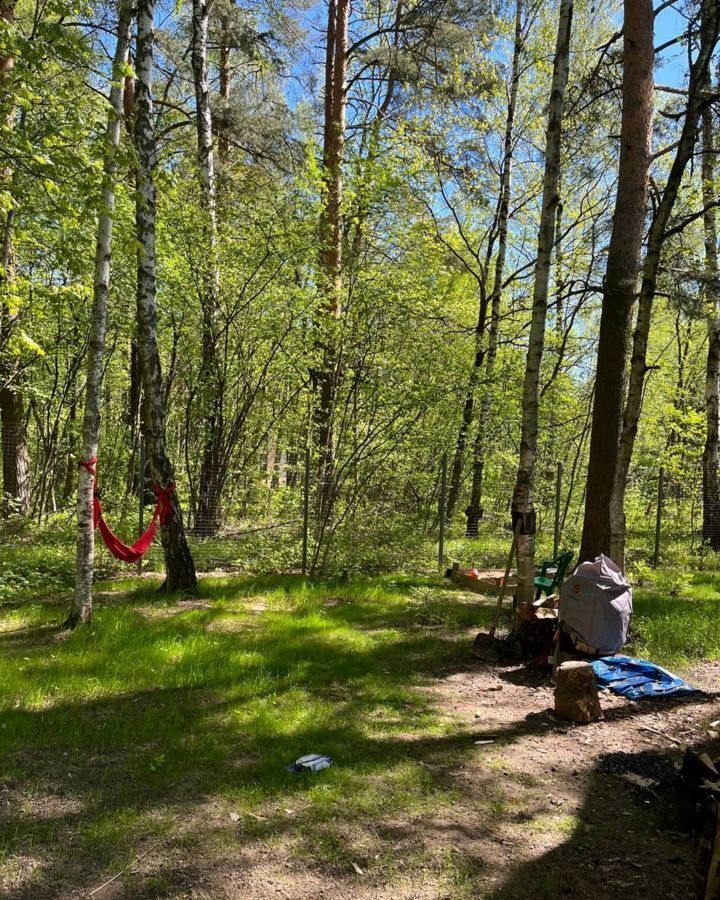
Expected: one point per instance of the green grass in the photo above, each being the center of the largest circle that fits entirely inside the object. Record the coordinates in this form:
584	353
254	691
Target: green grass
120	730
677	617
169	722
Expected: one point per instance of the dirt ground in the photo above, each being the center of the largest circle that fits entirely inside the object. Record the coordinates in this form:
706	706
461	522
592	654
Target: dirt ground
558	821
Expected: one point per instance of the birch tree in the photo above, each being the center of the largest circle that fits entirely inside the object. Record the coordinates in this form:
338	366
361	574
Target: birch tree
179	566
211	387
523	511
85	547
620	287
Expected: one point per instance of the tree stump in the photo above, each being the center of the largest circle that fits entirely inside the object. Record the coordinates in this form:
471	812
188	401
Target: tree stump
576	692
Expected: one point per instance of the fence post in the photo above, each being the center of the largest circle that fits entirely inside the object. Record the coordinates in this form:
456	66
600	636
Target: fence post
306	511
141	497
658	519
558	492
441	511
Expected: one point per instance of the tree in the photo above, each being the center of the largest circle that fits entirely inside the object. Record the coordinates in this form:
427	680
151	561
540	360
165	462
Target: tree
82	606
474	510
211	386
331	236
13	438
659	231
179	566
620	286
711	489
523	511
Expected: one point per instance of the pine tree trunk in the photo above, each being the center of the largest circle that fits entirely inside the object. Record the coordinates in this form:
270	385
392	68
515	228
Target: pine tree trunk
474	510
711	489
85	545
522	502
331	234
622	272
207	513
655	241
179	566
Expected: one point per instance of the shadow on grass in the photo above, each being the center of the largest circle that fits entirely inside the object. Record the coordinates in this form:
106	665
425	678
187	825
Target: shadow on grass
133	721
156	722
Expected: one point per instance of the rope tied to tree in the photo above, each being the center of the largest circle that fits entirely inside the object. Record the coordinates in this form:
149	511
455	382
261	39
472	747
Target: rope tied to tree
162	513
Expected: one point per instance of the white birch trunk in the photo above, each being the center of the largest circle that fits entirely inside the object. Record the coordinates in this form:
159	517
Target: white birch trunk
211	381
522	503
82	607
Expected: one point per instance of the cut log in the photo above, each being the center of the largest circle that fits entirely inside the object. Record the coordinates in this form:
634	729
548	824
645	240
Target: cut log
576	692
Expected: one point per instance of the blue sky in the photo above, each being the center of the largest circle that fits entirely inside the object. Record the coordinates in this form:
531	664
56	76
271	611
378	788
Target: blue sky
672	63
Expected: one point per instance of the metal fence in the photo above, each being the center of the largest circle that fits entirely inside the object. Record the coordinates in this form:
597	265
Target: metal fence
378	517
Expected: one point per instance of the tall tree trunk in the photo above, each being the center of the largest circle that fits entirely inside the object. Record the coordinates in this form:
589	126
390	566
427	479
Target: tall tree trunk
522	502
622	272
207	512
179	566
474	510
656	238
85	545
468	407
331	234
224	89
711	489
15	461
15	496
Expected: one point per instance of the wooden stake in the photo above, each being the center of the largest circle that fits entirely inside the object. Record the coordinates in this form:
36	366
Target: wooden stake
501	593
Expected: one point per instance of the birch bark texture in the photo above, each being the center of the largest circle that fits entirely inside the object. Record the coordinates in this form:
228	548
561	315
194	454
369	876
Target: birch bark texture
621	276
711	489
474	510
207	512
179	566
522	501
709	20
85	545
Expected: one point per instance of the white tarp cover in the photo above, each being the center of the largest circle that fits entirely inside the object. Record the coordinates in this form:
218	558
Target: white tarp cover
596	605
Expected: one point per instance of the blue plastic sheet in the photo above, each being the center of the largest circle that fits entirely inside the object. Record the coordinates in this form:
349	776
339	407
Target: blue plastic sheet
638	678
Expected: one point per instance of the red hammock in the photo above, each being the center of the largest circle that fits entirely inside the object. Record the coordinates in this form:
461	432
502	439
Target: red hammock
162	512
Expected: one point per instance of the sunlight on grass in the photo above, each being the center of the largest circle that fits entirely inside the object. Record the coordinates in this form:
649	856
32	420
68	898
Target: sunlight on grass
175	718
154	706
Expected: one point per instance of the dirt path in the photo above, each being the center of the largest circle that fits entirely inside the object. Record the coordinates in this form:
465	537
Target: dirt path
570	825
537	813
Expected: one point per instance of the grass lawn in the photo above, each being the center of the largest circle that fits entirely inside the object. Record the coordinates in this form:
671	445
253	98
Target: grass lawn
154	743
118	735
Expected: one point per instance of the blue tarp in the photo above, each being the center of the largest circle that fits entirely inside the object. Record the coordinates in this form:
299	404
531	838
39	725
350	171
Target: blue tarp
638	678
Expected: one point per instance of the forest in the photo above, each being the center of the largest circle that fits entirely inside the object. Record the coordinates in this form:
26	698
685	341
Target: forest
324	307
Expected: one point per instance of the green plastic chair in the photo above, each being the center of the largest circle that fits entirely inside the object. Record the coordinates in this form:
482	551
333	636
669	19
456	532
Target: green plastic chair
548	584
